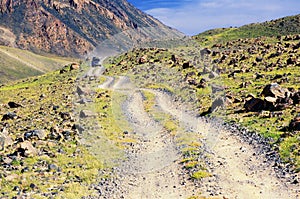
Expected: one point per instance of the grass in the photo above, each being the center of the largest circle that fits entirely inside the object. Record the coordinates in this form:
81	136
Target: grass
187	142
171	77
200	174
77	164
282	26
19	64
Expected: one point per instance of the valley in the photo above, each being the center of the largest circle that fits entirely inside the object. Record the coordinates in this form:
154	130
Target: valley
147	113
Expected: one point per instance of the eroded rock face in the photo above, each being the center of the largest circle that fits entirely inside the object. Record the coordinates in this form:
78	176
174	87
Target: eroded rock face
6	6
67	27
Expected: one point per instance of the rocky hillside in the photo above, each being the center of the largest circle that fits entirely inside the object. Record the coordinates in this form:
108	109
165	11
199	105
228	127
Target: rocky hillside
75	27
252	82
279	27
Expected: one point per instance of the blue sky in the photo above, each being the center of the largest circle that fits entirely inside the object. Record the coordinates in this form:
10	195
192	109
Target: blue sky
195	16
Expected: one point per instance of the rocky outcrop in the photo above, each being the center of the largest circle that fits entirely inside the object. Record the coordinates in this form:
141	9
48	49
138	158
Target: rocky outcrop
75	27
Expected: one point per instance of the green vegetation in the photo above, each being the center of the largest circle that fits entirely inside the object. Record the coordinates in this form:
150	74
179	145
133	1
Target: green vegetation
200	174
188	142
283	26
239	63
67	163
19	64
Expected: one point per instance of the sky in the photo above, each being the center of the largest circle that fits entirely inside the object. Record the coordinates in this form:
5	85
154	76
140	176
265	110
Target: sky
195	16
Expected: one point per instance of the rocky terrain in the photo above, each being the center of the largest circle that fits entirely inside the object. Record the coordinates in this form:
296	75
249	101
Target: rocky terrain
250	81
283	26
188	121
74	28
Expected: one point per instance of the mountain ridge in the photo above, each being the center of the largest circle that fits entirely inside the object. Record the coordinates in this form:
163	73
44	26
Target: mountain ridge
76	27
288	25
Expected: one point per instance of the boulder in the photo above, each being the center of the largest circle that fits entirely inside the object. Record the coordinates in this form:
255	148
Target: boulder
255	105
274	90
14	105
5	139
62	71
87	113
39	134
186	65
84	101
258	59
205	51
65	115
28	149
295	124
217	88
9	116
213	75
143	59
82	91
218	103
202	83
296	98
74	66
174	58
291	61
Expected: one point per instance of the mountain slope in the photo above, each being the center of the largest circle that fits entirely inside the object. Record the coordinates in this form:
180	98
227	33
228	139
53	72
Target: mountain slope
17	64
283	26
75	27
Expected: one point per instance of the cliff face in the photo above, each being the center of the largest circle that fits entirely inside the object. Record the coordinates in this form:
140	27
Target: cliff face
75	27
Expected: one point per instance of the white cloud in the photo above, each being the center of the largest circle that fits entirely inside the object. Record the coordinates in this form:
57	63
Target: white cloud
201	15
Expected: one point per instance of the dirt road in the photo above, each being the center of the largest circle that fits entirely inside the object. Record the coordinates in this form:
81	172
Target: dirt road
152	169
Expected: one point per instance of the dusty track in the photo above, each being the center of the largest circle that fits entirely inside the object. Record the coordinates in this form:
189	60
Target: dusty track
151	169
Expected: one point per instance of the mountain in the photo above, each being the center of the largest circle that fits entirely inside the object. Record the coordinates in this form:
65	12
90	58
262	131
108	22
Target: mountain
75	27
18	64
278	27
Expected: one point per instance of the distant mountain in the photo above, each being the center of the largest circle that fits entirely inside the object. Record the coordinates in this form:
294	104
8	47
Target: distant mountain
279	27
75	27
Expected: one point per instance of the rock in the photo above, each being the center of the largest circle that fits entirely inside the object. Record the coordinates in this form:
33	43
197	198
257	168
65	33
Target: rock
74	66
254	105
14	105
202	83
87	113
82	91
62	71
28	149
291	61
258	76
7	160
55	108
78	127
40	134
174	58
5	139
11	177
258	59
186	65
84	101
205	51
52	167
217	88
271	99
9	116
65	115
274	90
143	59
218	103
295	124
296	98
213	75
